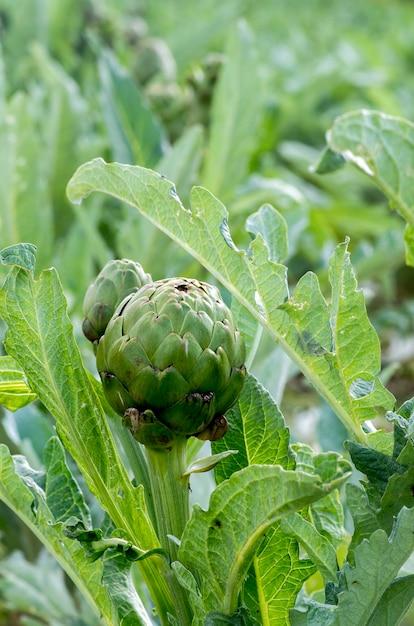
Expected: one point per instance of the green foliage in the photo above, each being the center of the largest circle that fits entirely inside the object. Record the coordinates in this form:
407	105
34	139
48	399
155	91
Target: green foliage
334	344
42	500
231	102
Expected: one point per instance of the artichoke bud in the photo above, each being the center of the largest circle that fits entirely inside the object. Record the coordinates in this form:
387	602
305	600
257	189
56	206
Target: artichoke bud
172	351
116	280
146	429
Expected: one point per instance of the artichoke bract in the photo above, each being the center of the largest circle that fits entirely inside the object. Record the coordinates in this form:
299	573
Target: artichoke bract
118	279
171	362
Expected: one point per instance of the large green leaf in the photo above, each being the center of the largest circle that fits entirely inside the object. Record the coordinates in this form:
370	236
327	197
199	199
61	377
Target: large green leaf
381	146
40	338
258	431
320	338
219	544
42	500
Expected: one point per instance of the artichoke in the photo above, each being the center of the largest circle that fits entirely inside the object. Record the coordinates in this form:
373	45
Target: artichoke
171	362
118	279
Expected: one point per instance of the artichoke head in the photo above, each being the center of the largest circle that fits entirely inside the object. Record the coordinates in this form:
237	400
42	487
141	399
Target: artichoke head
118	279
172	361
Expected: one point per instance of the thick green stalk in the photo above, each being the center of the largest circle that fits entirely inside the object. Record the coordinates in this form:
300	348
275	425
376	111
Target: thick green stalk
170	491
136	458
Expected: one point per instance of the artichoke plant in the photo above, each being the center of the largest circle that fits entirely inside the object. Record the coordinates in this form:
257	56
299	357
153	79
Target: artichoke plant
118	279
172	362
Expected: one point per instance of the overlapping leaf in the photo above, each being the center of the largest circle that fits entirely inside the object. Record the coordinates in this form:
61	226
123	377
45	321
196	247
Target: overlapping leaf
371	592
220	543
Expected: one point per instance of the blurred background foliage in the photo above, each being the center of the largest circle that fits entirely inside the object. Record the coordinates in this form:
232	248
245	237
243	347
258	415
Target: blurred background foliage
235	96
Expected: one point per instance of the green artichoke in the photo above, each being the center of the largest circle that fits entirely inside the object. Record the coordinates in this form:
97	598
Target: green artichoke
172	361
118	279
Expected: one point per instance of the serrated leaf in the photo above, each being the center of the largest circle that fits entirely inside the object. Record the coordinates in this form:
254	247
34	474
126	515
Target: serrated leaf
116	579
356	344
377	466
398	493
381	146
309	314
404	419
40	337
95	544
62	493
14	390
300	324
364	516
325	514
257	430
188	582
21	490
367	584
391	479
377	562
219	544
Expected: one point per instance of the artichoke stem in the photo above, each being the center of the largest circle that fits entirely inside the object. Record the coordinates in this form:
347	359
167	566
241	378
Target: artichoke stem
171	491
